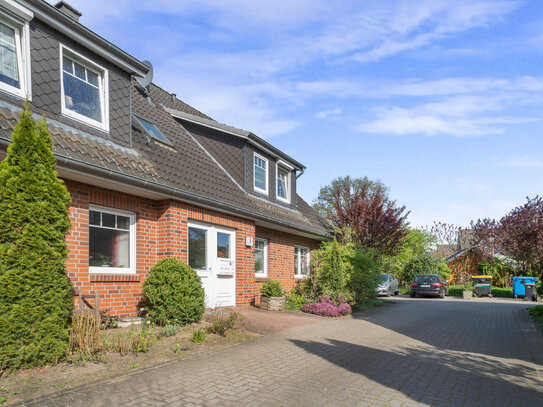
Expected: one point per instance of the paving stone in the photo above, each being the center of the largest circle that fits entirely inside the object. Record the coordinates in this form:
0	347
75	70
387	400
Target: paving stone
417	352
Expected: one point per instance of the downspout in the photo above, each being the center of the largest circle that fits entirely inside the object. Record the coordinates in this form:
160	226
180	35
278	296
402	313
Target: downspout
130	108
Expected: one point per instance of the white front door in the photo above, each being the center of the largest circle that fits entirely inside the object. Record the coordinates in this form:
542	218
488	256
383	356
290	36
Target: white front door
212	255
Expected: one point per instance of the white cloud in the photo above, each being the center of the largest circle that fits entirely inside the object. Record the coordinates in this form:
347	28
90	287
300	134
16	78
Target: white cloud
522	161
328	113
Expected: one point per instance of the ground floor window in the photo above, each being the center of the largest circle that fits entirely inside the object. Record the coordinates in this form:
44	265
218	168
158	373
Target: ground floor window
261	257
301	261
112	240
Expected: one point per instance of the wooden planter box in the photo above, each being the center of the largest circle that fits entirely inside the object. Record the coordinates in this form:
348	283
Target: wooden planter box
273	303
467	294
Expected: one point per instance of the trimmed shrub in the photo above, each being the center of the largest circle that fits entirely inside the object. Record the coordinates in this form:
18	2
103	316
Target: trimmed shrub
35	293
506	292
456	290
173	293
328	308
272	288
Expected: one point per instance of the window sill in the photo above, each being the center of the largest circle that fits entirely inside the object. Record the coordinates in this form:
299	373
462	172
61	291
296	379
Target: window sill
106	278
300	277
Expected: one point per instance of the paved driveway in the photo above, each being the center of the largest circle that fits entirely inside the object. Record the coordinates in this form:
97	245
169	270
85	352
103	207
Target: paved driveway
415	352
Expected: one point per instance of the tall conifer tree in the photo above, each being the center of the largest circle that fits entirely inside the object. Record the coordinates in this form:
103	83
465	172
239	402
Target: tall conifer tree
35	293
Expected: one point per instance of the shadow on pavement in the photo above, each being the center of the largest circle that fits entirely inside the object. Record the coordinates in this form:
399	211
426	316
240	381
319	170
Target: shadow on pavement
436	377
479	327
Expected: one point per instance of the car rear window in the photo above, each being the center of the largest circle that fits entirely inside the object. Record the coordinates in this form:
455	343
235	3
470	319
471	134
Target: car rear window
426	279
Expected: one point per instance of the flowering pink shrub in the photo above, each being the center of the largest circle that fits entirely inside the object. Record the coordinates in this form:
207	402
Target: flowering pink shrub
328	308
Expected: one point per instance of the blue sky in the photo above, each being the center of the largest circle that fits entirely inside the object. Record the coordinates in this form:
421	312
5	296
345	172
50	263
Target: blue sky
439	99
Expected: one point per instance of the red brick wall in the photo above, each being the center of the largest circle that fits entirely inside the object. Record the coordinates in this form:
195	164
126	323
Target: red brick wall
161	231
281	257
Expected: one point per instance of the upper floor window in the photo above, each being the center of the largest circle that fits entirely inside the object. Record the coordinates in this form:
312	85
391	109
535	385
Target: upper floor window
14	57
261	174
84	90
283	184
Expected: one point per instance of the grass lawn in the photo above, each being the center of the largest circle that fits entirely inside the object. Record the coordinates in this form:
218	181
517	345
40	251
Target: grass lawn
537	315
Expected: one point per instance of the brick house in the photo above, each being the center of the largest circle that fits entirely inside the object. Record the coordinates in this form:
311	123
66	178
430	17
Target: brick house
150	176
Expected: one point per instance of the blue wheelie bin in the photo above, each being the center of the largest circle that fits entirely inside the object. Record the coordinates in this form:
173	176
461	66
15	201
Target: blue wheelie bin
519	290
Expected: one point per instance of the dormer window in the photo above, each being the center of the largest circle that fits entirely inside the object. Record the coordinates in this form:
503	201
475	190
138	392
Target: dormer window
14	57
261	174
84	90
283	184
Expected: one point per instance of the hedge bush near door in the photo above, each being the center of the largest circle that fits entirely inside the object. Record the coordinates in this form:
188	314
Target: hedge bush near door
35	293
173	293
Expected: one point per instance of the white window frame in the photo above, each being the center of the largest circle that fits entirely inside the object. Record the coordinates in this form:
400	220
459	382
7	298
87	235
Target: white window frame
297	274
132	238
104	89
287	187
265	265
22	45
264	191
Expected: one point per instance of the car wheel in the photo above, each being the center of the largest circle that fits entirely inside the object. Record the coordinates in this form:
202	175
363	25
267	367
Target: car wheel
413	295
396	292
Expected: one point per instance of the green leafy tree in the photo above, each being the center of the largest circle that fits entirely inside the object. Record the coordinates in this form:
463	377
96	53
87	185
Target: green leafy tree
325	203
417	243
35	293
173	293
424	264
366	265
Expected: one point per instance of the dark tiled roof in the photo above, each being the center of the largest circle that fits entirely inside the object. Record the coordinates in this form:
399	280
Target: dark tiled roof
160	96
185	167
87	148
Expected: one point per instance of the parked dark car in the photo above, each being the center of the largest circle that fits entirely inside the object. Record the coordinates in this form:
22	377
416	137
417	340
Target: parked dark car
429	284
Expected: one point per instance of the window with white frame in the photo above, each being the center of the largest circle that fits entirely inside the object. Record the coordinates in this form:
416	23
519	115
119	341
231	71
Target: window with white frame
301	261
261	257
112	241
84	90
14	56
260	174
283	184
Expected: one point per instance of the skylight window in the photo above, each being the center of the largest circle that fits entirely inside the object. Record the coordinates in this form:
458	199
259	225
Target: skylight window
152	130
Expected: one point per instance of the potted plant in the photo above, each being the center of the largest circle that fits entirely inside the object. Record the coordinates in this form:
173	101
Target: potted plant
273	296
468	290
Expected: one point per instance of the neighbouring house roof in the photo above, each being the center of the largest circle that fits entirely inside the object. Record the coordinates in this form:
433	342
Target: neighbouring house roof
183	170
443	250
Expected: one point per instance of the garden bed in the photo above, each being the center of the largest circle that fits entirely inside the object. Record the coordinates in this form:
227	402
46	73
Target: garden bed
32	383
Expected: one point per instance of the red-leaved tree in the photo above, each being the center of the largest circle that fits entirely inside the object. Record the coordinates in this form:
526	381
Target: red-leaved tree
373	220
519	234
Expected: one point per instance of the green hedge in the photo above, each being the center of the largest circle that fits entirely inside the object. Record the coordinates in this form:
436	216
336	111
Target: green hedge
504	292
